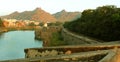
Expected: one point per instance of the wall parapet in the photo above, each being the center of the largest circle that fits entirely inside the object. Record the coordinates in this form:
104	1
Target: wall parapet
79	52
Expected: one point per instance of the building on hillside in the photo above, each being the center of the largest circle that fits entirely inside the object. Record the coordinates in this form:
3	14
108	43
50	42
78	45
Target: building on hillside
45	25
20	24
36	23
5	23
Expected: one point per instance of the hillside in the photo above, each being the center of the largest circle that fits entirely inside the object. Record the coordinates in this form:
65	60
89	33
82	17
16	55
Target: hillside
36	15
63	16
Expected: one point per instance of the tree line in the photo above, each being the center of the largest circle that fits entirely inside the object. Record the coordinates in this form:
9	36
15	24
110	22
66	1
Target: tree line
102	23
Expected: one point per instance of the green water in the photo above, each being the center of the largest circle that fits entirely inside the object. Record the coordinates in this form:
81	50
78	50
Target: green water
12	44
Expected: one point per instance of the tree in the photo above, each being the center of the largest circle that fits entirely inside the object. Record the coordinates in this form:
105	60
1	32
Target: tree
32	24
1	23
41	24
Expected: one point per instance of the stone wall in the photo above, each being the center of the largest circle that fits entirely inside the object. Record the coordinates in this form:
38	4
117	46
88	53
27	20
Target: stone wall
70	38
73	39
79	53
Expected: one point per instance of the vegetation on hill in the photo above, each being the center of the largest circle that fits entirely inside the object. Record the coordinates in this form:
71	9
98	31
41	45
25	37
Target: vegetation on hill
102	23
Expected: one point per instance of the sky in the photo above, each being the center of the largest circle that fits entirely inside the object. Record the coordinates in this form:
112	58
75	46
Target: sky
52	6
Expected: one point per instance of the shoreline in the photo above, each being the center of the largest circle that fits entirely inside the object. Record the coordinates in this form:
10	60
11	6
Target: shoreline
6	29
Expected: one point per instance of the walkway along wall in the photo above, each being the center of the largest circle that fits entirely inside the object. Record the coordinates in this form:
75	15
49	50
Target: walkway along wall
73	39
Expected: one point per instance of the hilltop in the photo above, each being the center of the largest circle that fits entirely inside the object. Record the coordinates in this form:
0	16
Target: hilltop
64	16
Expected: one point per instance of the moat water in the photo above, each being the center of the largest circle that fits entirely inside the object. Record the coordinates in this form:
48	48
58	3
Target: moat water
13	43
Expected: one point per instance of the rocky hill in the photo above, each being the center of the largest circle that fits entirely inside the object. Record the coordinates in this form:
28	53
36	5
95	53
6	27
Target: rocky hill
36	15
63	15
42	16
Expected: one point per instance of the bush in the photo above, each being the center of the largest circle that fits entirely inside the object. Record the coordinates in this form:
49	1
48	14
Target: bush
32	24
102	23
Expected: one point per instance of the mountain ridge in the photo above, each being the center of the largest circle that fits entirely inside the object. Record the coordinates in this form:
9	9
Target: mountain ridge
36	15
40	15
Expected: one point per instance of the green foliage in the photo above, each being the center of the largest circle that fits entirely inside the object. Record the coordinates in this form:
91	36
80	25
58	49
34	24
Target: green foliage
1	23
32	24
102	23
41	24
55	24
57	39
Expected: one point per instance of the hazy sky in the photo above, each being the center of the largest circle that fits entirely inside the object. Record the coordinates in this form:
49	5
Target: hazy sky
52	6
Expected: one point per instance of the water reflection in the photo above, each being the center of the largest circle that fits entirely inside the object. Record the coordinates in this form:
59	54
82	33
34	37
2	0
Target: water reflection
1	35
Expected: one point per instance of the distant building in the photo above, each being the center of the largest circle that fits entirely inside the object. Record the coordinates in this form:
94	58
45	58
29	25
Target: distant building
36	23
18	23
5	23
45	25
